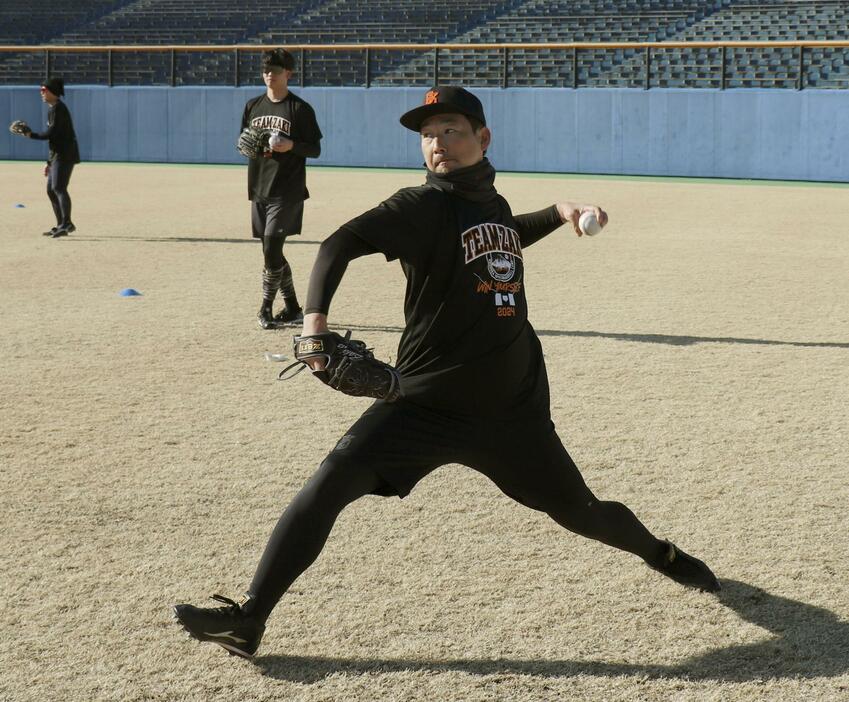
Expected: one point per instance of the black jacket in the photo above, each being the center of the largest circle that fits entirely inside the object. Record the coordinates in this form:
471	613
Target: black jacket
60	135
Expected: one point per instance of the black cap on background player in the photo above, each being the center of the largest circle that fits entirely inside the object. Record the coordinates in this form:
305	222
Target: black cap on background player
441	100
55	86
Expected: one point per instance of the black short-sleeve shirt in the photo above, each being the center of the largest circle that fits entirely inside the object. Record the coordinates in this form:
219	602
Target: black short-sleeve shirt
467	345
282	178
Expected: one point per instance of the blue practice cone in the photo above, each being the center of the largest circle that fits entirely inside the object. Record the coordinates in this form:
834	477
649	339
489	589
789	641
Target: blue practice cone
129	292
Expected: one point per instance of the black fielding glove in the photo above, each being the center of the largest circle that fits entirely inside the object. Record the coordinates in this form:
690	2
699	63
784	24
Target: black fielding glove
350	367
253	142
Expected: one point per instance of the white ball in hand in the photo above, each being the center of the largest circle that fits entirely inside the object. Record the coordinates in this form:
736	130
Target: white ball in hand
589	224
275	140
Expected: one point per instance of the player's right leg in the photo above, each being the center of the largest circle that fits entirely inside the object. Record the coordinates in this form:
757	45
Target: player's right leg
229	626
386	452
272	265
61	180
297	540
270	284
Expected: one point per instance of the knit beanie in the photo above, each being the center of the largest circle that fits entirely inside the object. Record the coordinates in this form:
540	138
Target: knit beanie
55	86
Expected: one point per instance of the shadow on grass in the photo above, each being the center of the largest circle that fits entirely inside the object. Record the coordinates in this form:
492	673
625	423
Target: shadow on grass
806	642
679	340
669	339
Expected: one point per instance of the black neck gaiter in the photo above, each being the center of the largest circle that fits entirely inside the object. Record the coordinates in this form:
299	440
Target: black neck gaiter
475	183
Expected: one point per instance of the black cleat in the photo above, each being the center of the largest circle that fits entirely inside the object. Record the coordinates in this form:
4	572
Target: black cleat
687	570
51	232
64	231
266	317
289	316
227	626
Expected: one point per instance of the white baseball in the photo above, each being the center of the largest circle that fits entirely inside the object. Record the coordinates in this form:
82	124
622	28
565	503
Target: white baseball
276	138
589	224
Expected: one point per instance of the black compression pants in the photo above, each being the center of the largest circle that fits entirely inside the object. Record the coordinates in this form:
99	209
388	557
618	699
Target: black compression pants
272	252
58	178
393	446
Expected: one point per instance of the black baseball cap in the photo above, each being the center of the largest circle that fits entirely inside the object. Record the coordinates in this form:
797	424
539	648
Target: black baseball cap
441	100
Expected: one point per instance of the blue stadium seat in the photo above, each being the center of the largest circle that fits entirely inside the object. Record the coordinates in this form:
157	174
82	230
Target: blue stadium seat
290	22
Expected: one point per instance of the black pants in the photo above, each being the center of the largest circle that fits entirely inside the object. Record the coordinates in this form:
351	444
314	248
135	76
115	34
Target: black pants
393	446
58	178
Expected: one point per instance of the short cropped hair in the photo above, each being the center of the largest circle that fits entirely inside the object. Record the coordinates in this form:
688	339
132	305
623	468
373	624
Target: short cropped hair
278	57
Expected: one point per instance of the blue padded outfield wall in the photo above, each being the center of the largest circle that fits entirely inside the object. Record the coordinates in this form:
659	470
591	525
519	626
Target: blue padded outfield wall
773	134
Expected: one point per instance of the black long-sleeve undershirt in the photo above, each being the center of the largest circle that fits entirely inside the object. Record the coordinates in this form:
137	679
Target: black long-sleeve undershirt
59	134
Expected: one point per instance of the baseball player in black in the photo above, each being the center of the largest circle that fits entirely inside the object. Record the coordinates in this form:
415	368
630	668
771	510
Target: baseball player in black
277	179
468	360
64	154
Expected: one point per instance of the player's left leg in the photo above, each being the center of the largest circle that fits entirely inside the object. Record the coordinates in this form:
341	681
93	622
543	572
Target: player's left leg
538	472
54	200
270	275
292	313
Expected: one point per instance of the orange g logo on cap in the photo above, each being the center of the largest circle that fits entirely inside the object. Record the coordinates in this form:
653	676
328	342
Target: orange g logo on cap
441	100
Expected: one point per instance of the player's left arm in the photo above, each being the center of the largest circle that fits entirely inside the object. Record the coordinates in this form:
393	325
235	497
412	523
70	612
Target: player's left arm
571	212
534	226
308	143
301	148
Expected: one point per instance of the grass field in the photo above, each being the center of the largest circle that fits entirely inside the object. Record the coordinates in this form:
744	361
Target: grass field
698	351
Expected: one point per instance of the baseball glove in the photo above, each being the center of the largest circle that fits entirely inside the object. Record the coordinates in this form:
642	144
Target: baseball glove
350	367
20	127
253	142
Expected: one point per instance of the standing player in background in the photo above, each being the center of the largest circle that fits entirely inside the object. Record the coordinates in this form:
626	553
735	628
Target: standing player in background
64	154
277	180
469	360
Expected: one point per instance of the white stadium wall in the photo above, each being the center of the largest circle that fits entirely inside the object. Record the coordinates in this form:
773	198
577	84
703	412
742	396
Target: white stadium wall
768	134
